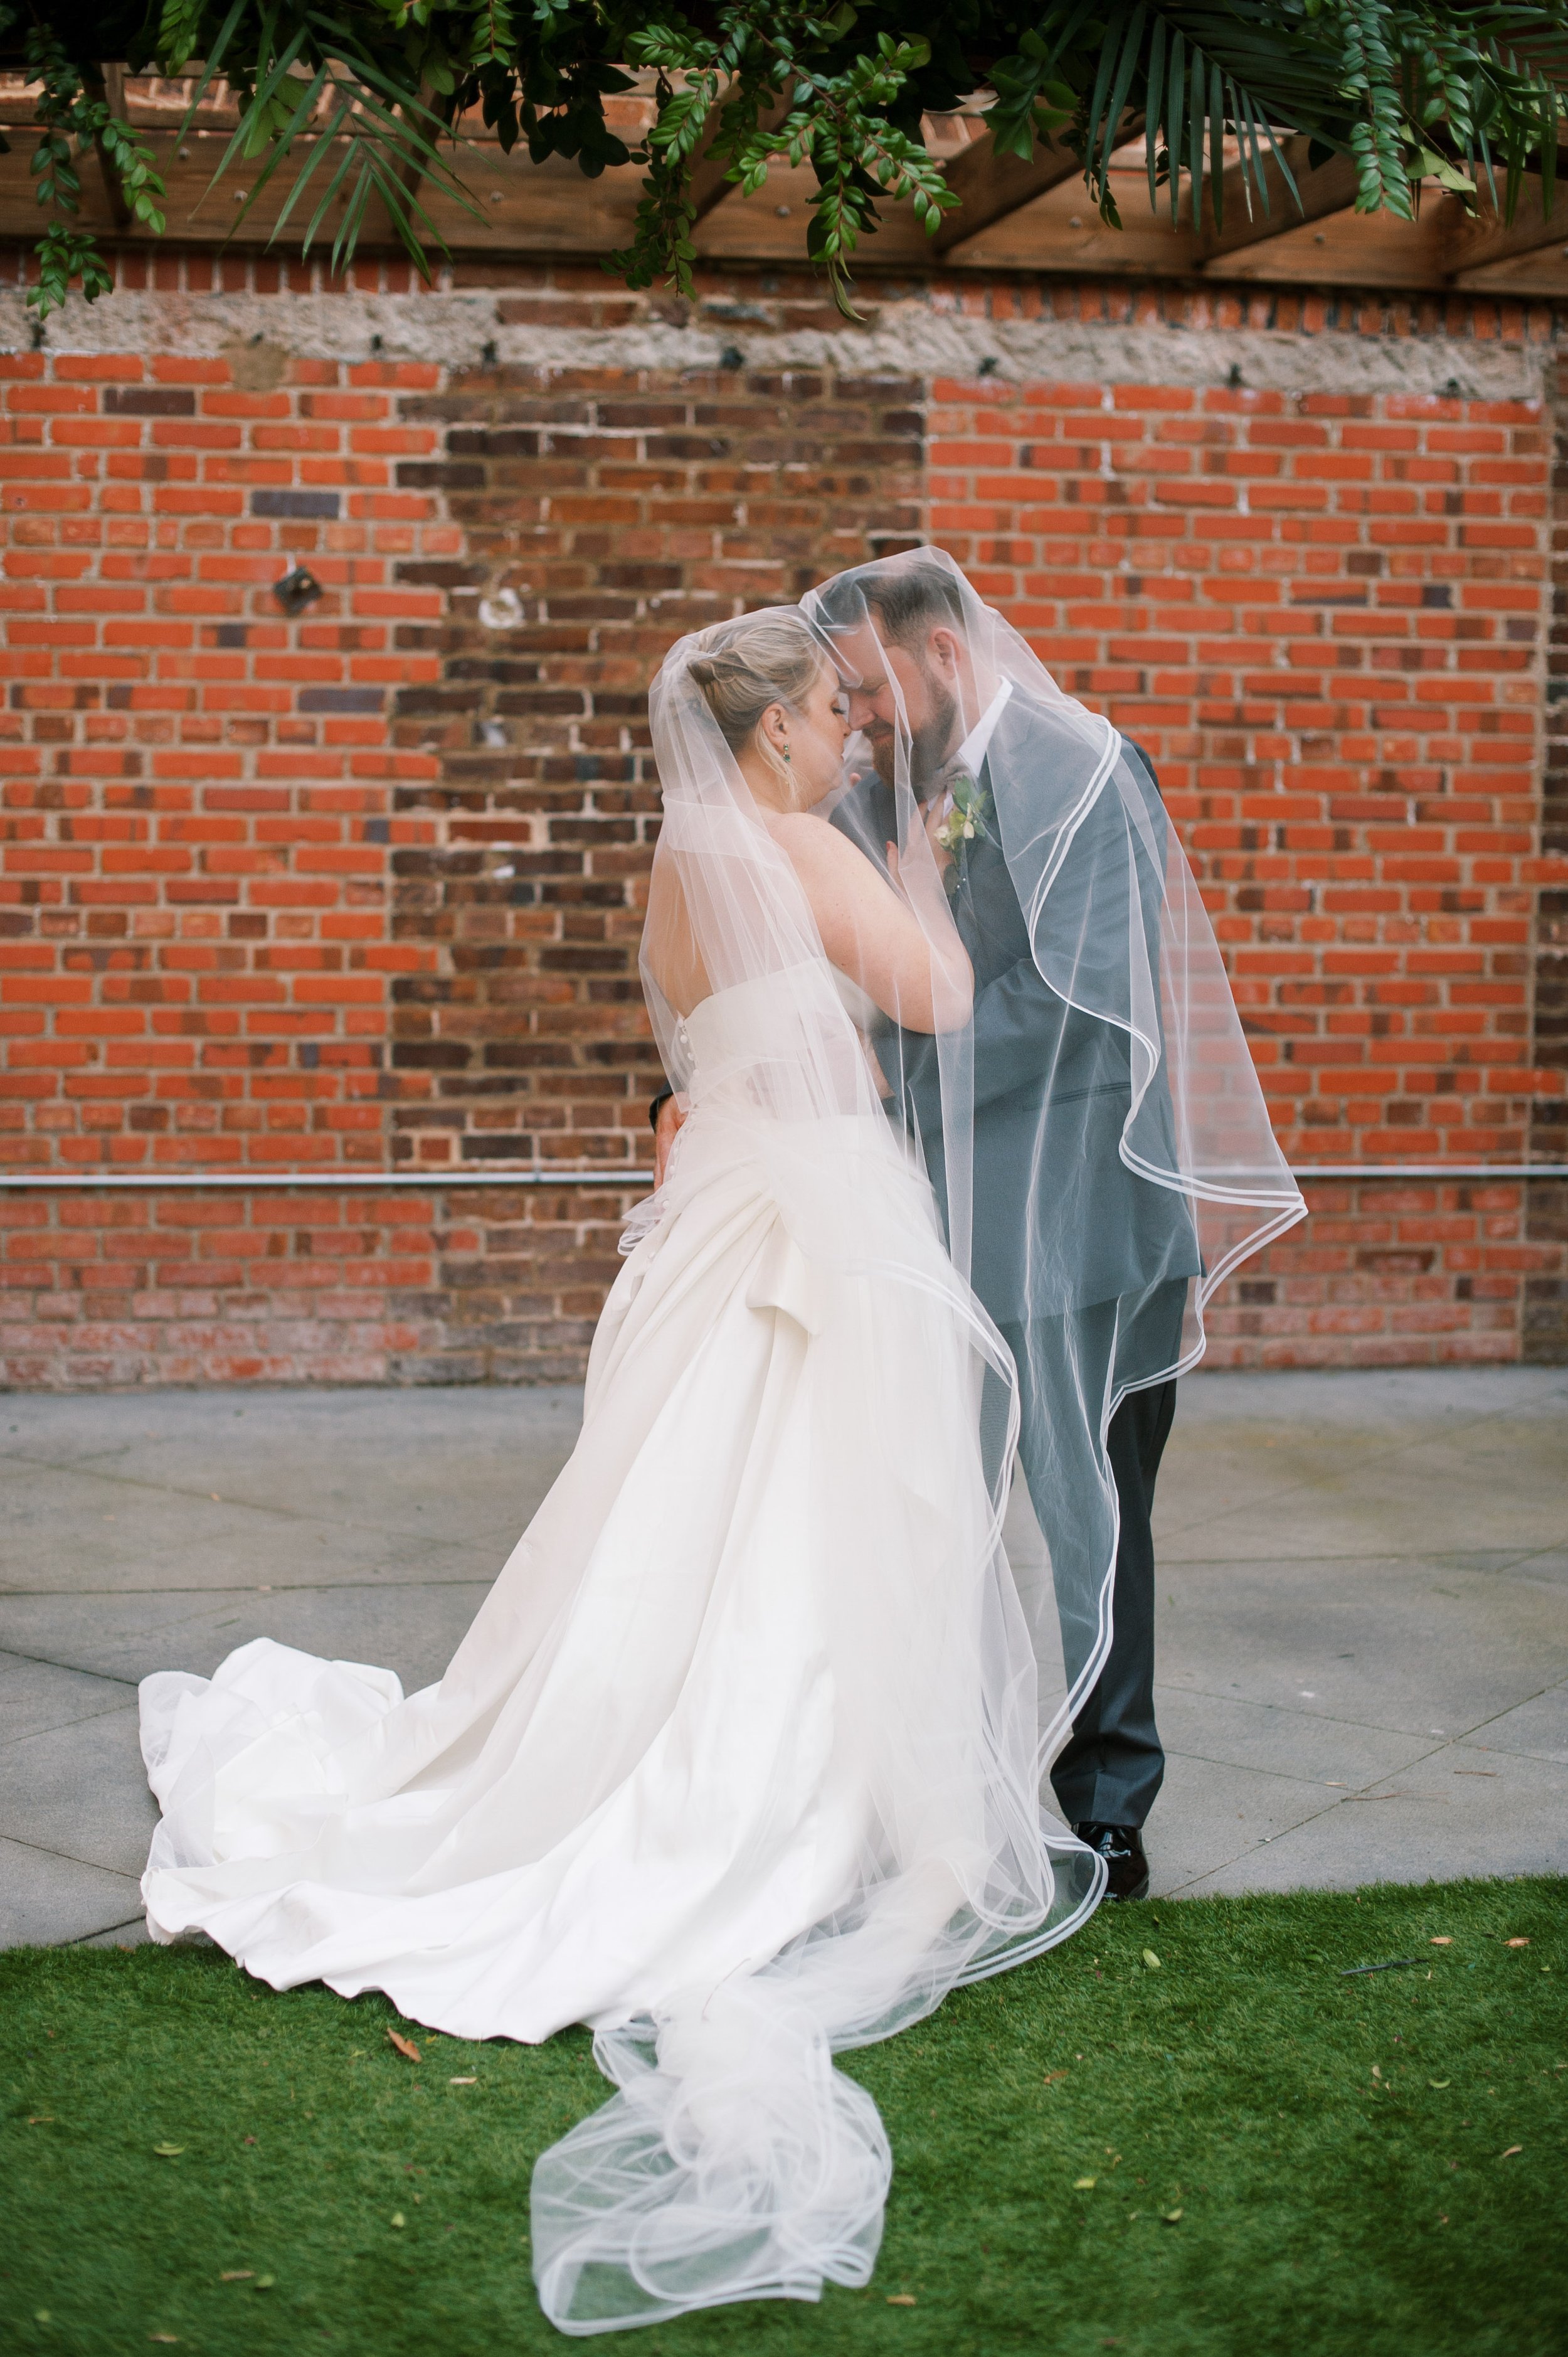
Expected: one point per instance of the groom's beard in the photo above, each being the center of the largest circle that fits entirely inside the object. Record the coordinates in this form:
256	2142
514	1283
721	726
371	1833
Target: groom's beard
929	744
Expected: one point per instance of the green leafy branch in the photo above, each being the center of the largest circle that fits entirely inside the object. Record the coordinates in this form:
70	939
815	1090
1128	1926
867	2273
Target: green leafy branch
358	100
840	123
72	116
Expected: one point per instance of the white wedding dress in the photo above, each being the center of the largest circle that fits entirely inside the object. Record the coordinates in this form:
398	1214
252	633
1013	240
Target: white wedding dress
738	1763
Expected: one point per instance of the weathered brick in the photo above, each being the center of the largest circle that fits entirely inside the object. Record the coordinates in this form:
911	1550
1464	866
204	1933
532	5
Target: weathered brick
149	400
359	886
291	503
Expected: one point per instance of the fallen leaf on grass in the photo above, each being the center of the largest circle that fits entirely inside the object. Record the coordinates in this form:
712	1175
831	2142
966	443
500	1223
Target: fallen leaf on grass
170	2339
1441	1940
462	2083
1171	2217
900	2299
405	2046
1511	2152
398	2219
1516	1944
169	2151
1050	2075
238	2275
42	2120
1151	1960
1083	2184
1439	2082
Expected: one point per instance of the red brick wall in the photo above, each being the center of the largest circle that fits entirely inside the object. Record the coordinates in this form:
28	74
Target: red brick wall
360	889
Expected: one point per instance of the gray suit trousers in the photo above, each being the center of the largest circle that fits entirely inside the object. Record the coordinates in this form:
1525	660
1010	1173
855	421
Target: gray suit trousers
1113	1764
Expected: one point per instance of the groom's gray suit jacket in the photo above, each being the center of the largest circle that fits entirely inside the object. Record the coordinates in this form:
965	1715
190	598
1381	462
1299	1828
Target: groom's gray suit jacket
1060	1223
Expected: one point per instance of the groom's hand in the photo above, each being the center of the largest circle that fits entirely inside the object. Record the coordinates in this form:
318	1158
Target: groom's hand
671	1113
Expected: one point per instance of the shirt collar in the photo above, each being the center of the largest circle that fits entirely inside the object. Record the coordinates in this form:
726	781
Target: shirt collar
973	751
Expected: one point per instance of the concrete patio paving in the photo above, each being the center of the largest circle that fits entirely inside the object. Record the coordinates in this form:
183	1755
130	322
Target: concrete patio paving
1363	1601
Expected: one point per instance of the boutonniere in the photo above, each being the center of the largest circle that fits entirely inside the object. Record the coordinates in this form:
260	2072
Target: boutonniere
967	820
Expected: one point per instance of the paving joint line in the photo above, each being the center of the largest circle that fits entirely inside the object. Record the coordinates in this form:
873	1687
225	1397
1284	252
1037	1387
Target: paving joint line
1334	1718
1314	1815
41	1850
270	1587
47	1662
245	1505
129	1924
1372	1456
60	1725
1454	1559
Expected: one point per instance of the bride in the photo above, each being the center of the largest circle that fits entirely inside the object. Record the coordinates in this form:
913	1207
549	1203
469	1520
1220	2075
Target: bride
739	1762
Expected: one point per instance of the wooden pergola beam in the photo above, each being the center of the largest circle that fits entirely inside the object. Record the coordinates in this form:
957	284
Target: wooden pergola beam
1038	222
1485	238
990	186
1249	222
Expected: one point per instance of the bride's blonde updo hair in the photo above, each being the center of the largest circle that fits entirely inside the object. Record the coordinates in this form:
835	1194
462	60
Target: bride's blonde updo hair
742	667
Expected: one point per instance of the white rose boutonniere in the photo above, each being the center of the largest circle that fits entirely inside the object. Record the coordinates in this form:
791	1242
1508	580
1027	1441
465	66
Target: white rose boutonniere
967	820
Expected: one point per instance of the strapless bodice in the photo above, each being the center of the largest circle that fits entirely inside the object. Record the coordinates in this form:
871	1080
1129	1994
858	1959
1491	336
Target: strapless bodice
794	1011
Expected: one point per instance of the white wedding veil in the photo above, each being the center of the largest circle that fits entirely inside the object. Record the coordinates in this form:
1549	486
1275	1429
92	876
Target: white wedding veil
736	2162
1097	1138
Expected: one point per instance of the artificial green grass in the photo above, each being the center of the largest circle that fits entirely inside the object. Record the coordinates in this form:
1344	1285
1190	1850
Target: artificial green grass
1284	2158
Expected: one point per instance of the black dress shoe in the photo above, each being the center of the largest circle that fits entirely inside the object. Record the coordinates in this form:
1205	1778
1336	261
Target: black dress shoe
1121	1847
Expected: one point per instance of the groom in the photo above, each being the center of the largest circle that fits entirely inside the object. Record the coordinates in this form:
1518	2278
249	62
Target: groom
1083	1265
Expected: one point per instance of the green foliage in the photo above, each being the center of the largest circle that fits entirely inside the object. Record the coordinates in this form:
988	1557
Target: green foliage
73	114
1413	93
1369	2164
66	256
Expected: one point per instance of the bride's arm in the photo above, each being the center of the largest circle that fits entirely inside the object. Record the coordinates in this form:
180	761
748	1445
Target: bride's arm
918	973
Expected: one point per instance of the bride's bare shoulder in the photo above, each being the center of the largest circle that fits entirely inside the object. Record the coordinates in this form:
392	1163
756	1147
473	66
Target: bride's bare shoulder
812	845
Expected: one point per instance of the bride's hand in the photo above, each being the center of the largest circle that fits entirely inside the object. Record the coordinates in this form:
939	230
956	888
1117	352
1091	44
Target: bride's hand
941	859
933	818
937	814
671	1115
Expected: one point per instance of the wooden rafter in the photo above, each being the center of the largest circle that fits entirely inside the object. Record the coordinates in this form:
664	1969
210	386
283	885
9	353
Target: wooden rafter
990	186
113	189
1250	219
1488	251
1013	216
